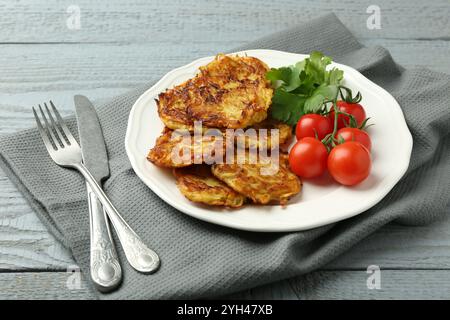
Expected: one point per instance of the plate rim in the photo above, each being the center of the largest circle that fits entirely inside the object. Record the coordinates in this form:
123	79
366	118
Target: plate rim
401	170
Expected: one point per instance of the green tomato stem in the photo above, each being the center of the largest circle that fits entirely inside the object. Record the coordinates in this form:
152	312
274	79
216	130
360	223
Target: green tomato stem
336	114
329	139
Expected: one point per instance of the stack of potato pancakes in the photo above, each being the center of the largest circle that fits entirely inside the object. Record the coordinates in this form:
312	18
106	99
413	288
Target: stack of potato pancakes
231	92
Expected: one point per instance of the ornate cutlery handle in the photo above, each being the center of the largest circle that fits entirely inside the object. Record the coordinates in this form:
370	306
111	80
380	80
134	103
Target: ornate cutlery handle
106	272
140	257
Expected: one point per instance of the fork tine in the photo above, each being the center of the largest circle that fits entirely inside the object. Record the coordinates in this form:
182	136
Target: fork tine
59	133
63	125
44	136
50	129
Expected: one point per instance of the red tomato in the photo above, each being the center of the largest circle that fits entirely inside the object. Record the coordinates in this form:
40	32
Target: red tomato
355	109
308	158
311	124
349	163
355	134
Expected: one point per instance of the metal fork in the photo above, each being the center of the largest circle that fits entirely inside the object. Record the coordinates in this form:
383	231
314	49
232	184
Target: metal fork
65	151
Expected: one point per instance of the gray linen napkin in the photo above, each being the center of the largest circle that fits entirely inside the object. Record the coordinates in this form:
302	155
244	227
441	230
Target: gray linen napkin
205	260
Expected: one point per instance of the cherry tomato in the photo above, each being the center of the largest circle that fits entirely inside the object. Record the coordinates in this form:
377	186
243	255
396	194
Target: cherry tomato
355	134
355	109
311	124
308	158
349	163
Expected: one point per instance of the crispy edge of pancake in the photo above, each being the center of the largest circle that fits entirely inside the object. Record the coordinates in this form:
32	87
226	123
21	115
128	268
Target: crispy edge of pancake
172	108
198	184
161	154
247	179
180	106
247	67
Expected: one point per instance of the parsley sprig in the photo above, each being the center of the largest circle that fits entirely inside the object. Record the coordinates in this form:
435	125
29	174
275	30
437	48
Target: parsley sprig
305	87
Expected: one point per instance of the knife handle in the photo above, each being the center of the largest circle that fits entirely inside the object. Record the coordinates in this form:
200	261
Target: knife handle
140	257
106	272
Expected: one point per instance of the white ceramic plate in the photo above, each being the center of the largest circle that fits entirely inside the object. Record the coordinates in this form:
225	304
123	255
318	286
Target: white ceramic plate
321	201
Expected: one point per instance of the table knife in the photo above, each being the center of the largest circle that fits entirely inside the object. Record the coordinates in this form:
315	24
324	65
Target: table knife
105	269
140	257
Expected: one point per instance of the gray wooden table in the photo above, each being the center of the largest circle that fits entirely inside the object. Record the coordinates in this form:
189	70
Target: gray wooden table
121	44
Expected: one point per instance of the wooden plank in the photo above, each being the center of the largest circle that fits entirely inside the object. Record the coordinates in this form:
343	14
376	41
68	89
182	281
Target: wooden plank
395	284
399	247
42	286
27	68
346	285
92	66
334	285
173	21
15	109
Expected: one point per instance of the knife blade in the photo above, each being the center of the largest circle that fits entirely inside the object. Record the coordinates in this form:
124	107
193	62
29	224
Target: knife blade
92	142
106	271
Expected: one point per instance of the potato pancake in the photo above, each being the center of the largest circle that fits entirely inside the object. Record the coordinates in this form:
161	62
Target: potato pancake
247	179
265	141
229	92
180	150
198	184
162	154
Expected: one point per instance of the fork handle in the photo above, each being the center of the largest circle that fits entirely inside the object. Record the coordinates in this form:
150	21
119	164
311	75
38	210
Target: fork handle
106	272
140	257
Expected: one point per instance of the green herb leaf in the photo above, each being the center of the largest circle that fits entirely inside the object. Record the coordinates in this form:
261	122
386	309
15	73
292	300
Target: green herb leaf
303	87
281	75
319	97
287	107
335	76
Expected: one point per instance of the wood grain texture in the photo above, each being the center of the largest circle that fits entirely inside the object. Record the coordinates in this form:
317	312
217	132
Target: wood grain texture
42	286
344	285
58	67
121	45
233	20
336	285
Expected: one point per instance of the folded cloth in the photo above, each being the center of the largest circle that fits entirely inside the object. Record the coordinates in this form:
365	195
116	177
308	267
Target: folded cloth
205	260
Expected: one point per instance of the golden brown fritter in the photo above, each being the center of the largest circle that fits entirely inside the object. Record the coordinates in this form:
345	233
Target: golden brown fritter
172	106
199	185
264	140
249	180
168	145
229	92
174	150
